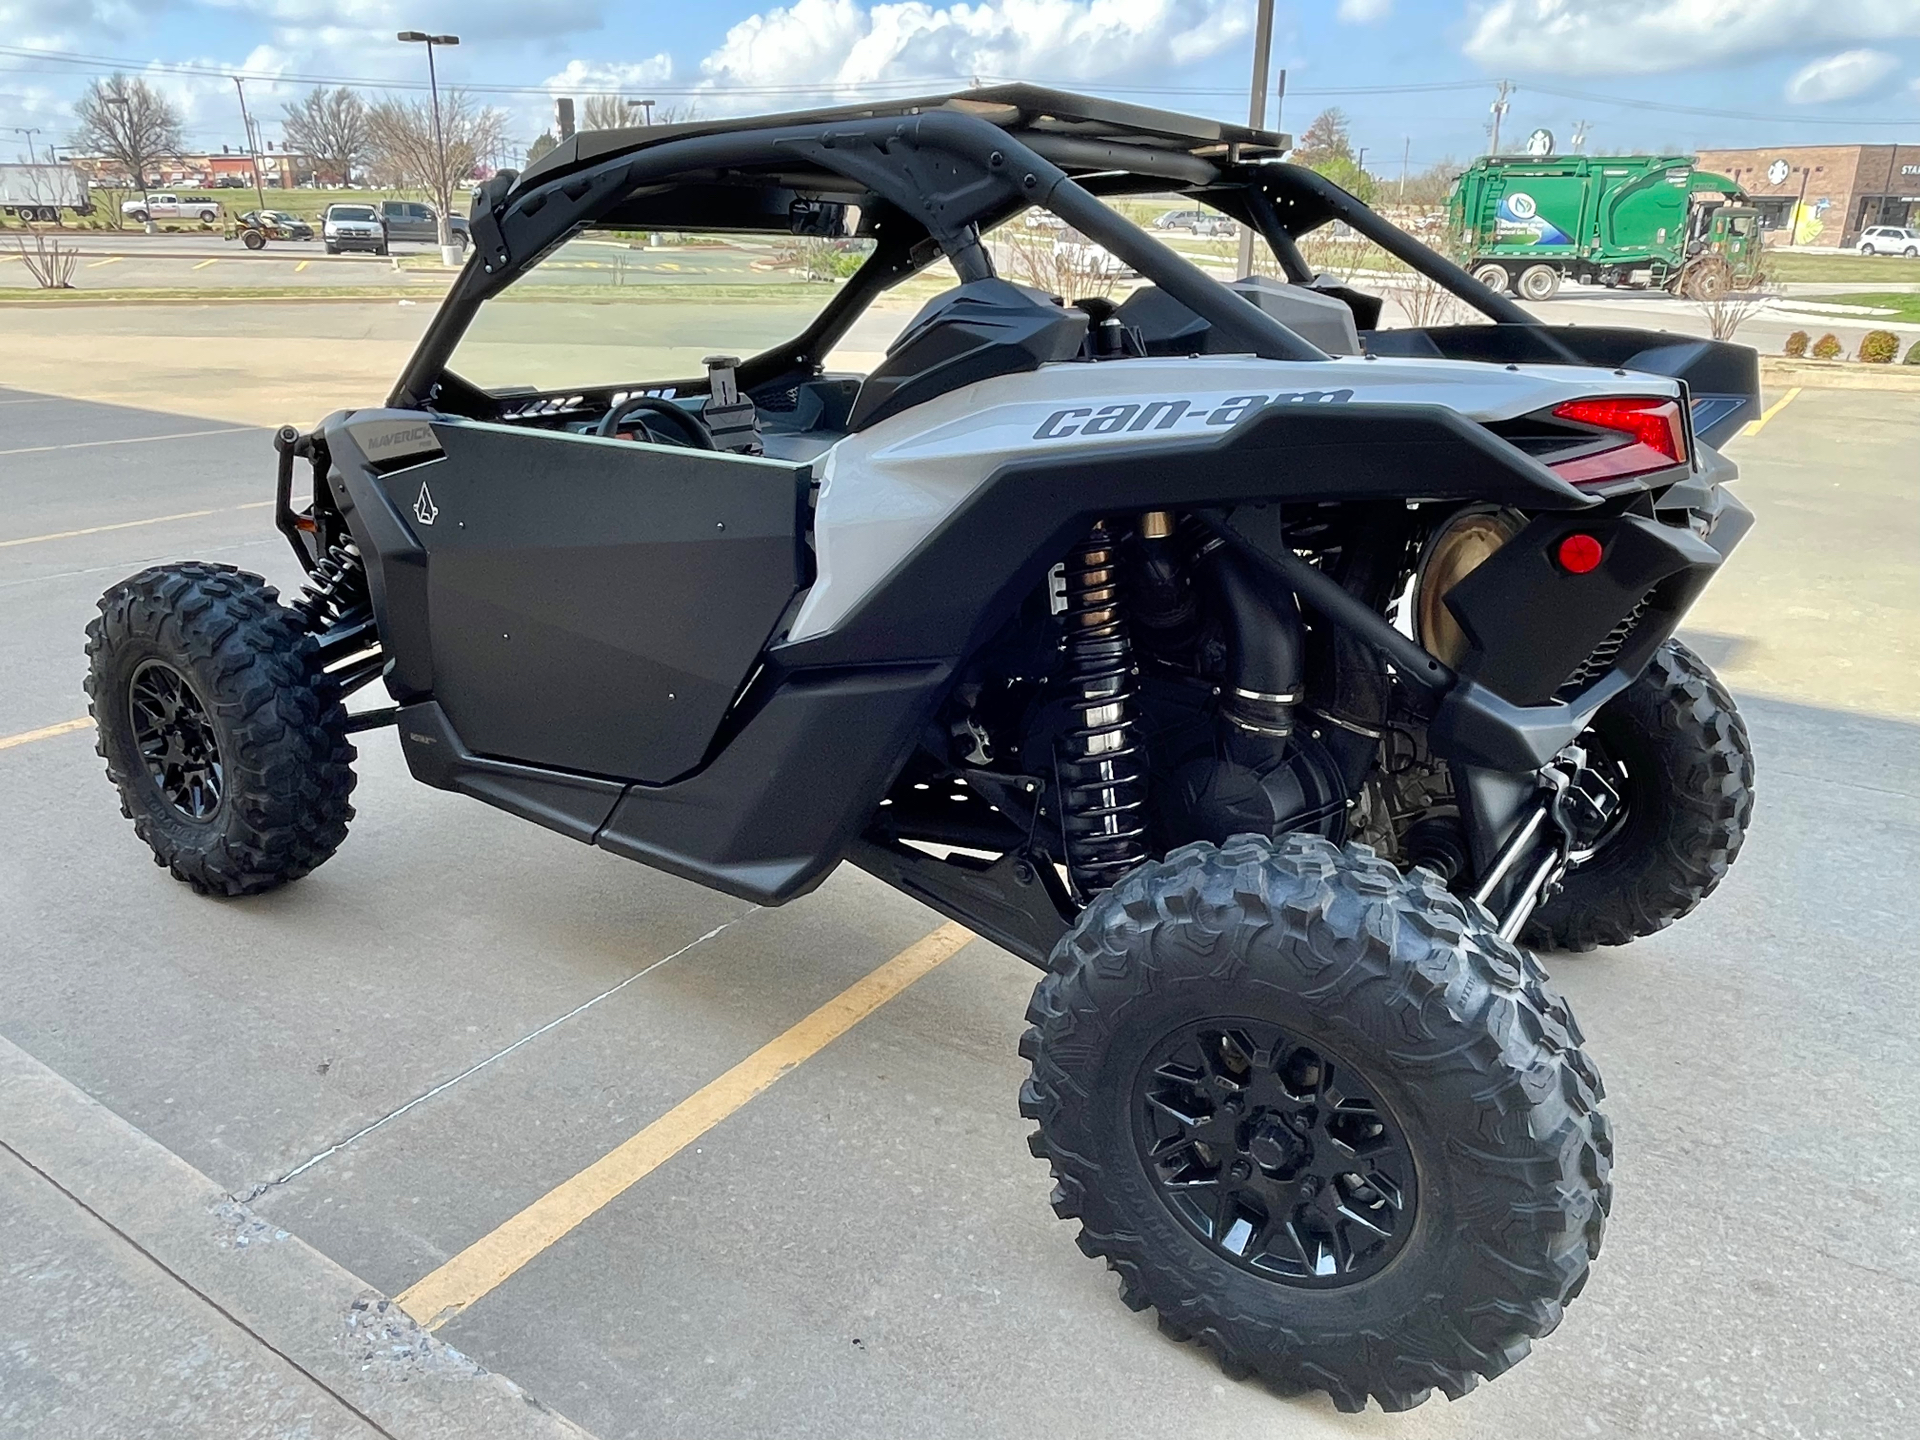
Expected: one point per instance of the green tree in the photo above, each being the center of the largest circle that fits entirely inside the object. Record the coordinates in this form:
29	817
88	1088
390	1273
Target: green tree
1327	149
543	142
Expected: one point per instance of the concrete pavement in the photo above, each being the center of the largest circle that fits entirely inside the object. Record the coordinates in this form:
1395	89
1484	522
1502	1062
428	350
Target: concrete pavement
459	1012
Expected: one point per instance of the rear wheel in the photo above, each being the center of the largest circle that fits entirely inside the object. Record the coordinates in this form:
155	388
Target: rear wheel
1494	277
1678	752
1320	1117
254	240
229	749
1539	282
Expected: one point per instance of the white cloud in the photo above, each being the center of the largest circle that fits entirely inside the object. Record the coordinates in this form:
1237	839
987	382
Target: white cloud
1364	12
1840	77
836	43
586	77
1606	37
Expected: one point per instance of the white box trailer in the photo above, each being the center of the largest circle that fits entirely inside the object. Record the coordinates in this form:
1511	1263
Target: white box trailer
41	192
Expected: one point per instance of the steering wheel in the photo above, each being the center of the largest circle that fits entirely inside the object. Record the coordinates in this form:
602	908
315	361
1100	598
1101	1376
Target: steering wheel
660	421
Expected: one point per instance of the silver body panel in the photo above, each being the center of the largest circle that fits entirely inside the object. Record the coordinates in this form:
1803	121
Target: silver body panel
884	490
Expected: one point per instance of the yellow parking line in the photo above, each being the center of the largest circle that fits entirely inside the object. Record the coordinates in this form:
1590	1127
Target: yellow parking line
45	732
110	260
1754	427
492	1259
204	263
301	266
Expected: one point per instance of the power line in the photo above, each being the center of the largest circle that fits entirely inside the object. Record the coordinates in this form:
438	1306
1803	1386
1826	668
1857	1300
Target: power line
80	62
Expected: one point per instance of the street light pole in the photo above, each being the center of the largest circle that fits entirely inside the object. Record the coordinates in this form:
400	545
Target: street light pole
449	254
253	142
125	107
29	131
1257	106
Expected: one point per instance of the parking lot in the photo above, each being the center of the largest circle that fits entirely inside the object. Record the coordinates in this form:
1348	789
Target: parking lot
460	1017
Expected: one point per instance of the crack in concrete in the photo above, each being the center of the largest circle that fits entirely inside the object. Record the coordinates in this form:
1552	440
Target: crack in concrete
365	1130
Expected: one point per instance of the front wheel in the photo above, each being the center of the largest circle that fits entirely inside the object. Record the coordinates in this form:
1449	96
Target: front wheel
254	240
1677	750
1321	1117
227	745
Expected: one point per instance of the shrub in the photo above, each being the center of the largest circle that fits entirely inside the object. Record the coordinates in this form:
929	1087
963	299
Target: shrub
1827	347
1879	347
1913	354
1797	343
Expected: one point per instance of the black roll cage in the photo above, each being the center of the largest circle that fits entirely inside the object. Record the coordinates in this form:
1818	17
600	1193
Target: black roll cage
928	177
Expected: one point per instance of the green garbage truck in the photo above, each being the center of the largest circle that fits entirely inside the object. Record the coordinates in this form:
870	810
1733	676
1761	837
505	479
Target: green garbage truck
1526	224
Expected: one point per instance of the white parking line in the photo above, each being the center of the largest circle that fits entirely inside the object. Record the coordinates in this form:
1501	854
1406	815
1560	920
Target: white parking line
131	440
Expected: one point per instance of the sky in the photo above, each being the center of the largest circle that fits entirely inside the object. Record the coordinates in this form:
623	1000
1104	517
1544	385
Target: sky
1415	77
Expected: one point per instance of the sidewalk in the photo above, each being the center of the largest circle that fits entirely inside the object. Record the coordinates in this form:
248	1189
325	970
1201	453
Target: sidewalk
141	1300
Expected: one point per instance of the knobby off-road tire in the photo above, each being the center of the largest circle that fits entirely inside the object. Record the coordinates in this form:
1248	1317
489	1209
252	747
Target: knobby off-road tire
1405	995
228	747
1688	798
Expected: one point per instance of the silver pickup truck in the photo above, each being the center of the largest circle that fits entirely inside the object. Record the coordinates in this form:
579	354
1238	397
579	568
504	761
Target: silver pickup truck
166	206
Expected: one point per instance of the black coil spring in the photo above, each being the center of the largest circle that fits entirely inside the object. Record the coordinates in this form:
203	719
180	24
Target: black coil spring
1102	774
335	587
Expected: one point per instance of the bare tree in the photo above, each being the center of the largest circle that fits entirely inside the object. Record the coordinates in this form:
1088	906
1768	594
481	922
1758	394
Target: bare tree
606	112
407	153
48	259
330	128
129	122
1728	308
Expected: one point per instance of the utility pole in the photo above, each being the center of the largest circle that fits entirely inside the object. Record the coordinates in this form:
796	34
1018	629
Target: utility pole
1406	154
1499	113
1579	141
1257	107
253	142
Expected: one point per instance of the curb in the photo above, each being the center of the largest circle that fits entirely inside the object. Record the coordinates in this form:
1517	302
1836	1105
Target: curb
339	1331
1838	374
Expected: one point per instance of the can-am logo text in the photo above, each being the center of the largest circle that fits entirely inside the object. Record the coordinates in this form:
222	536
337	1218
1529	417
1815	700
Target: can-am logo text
1134	417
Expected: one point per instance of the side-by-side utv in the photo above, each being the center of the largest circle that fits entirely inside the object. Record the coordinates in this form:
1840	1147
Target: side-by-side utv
1268	677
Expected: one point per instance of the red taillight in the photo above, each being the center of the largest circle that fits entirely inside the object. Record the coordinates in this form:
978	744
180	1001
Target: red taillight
1652	437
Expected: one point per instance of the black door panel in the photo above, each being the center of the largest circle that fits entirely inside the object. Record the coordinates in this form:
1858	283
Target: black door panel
595	605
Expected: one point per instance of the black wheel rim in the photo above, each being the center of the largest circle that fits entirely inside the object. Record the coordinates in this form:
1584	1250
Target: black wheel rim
176	739
1274	1152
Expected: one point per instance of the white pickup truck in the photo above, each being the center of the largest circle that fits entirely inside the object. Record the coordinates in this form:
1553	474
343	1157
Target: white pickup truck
164	206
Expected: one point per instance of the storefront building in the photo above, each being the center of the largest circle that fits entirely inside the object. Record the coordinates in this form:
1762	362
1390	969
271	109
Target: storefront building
1824	194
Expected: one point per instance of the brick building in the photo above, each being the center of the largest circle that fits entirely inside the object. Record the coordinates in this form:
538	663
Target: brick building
1824	194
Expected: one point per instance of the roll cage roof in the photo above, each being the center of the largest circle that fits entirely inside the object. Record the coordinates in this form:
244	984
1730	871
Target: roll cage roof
922	178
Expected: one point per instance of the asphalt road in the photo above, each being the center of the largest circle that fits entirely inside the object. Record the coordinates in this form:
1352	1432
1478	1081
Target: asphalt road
461	1012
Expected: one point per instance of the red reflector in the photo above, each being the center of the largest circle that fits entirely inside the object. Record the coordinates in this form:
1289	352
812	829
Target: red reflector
1652	437
1579	554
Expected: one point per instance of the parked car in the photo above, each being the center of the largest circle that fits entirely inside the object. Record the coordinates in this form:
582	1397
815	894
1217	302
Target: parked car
1199	222
412	220
1890	240
256	227
164	205
353	227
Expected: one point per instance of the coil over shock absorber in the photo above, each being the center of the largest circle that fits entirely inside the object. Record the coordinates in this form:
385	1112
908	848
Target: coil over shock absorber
336	588
1102	775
